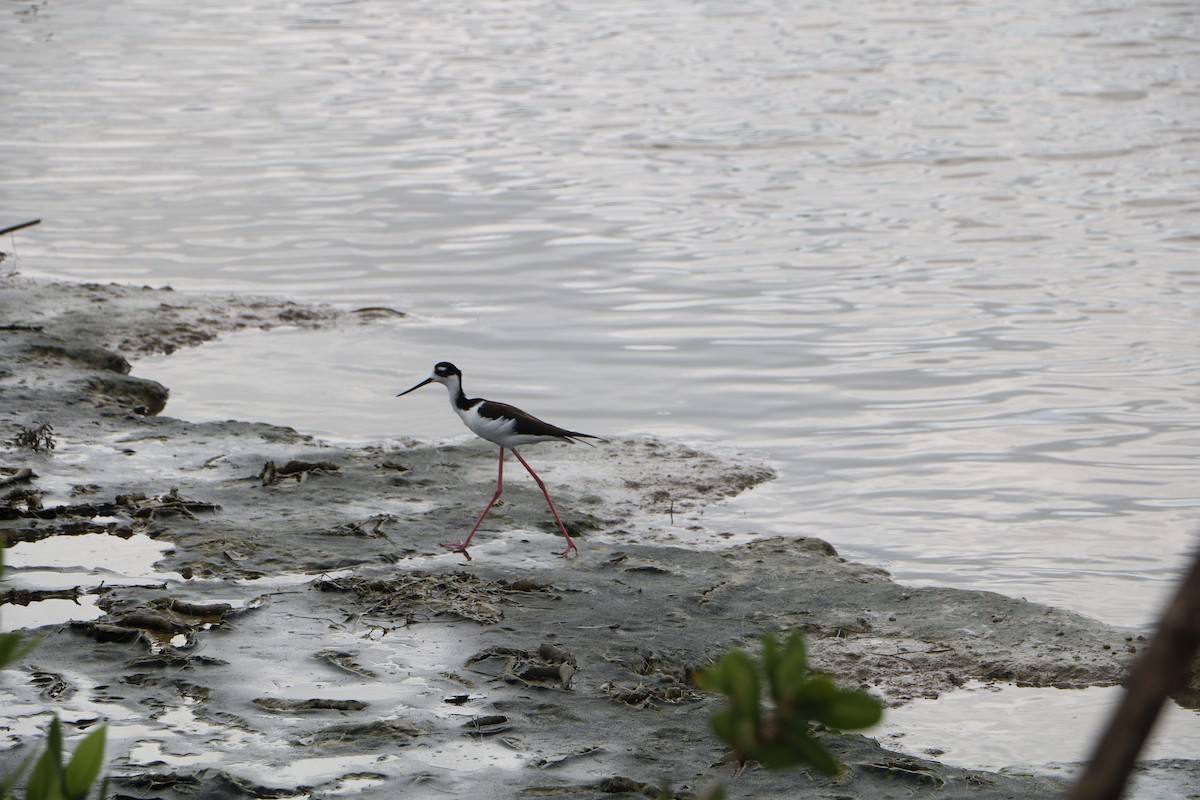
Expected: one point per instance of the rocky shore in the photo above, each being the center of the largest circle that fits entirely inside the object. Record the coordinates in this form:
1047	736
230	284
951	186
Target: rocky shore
305	636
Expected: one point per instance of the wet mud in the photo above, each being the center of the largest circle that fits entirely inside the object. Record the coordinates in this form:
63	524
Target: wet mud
304	635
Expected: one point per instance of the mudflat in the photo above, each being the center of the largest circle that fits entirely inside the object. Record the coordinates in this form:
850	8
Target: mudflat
304	635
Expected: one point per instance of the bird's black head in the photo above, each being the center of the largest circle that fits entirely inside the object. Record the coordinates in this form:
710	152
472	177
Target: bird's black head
444	373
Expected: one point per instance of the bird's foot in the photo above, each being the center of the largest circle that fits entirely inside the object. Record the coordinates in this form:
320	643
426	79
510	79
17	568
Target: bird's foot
570	546
457	547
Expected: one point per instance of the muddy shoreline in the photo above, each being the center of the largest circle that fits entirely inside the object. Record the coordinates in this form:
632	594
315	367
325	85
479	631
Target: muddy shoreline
306	637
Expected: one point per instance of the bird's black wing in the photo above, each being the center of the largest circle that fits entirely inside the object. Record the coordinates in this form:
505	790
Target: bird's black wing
528	424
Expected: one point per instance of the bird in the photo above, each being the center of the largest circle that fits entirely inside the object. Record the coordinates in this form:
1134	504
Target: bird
507	426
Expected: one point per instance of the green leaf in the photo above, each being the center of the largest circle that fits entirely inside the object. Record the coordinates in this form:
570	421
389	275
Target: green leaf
815	696
85	765
54	736
852	710
796	650
770	658
791	671
9	643
12	649
54	746
743	684
813	752
777	755
745	735
715	678
44	780
723	725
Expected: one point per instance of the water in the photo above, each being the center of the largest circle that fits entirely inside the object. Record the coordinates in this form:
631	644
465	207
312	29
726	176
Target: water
1066	722
934	262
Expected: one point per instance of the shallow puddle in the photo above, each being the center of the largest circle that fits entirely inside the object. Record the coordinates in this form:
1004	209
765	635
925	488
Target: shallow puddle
88	559
47	612
995	726
76	565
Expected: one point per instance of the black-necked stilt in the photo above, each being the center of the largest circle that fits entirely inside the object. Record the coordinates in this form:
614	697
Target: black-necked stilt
506	426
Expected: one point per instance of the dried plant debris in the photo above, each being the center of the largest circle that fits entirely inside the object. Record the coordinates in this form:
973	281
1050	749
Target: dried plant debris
419	597
548	667
661	678
38	437
643	696
298	471
371	527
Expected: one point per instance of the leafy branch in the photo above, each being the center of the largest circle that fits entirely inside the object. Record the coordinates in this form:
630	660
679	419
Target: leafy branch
53	780
780	735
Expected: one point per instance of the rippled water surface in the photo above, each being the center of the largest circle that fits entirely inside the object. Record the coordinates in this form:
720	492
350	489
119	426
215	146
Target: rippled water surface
935	261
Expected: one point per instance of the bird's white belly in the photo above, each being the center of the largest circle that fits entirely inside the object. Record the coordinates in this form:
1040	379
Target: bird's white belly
494	430
499	430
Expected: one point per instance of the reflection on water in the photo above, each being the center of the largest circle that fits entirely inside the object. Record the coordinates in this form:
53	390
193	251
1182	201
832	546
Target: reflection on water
936	263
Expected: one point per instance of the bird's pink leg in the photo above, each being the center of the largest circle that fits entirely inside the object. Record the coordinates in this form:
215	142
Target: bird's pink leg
570	544
461	547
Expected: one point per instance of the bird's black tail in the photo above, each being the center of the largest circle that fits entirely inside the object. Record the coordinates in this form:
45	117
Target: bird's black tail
576	436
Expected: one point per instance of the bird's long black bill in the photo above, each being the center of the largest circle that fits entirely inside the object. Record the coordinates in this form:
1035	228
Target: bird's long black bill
418	386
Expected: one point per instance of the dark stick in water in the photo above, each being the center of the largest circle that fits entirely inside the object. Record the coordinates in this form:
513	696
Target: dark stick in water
13	228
